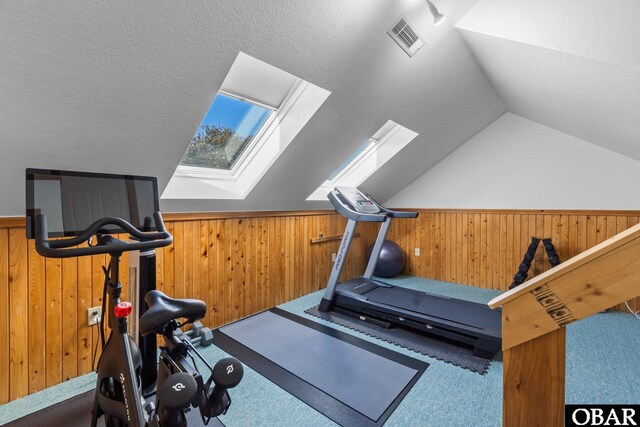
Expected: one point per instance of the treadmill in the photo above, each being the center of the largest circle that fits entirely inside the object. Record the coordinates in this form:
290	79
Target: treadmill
380	303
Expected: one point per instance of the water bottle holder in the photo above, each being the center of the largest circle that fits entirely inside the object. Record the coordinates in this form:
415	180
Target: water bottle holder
208	407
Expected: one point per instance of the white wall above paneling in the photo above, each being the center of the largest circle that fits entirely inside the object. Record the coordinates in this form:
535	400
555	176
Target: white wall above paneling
568	72
516	163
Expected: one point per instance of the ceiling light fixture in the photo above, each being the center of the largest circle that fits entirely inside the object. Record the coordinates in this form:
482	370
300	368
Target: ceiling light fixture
437	16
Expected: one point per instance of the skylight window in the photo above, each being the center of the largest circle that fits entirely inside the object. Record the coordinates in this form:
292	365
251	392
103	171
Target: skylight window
255	115
226	131
368	158
367	144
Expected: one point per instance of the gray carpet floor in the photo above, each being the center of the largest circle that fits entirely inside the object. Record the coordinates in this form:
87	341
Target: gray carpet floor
602	367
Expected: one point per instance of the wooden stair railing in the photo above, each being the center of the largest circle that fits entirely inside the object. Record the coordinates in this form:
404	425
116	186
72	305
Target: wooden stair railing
535	313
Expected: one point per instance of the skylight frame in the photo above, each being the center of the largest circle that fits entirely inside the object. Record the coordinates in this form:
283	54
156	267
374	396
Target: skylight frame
268	127
251	79
298	106
267	122
365	146
390	133
383	135
246	99
375	145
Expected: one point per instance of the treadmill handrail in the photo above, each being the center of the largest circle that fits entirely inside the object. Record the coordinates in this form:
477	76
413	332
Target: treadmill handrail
391	212
345	210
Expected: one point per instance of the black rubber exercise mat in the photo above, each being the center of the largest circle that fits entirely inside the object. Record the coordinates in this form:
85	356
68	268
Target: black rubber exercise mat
352	381
429	346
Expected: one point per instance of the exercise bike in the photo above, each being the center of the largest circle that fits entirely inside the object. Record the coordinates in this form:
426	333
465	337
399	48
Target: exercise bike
180	386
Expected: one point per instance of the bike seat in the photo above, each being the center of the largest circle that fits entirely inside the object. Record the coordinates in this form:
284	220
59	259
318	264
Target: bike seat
163	309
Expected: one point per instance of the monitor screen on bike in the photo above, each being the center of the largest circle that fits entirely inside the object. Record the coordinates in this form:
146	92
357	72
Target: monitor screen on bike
72	201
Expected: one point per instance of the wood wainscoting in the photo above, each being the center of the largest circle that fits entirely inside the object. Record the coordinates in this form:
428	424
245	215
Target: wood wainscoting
243	263
485	247
238	263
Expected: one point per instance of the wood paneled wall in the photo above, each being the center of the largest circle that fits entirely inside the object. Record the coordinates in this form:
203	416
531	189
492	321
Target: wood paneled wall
484	247
244	263
238	264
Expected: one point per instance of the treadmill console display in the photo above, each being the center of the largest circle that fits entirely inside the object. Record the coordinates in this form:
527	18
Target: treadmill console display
358	201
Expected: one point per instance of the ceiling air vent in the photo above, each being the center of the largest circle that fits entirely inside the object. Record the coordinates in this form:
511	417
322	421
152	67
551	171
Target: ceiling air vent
404	33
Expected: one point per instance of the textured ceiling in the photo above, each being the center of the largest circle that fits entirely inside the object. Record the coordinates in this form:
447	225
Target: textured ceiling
573	65
122	86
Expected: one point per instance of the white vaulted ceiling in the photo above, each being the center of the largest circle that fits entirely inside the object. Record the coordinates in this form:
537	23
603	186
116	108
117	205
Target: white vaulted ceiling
122	86
573	65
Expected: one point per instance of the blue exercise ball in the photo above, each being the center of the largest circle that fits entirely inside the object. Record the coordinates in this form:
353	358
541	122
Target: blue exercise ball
391	259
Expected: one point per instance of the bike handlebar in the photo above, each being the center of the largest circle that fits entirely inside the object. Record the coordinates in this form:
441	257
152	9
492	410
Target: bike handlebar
57	248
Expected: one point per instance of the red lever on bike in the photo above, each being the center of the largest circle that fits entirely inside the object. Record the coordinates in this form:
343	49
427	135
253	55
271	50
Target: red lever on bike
122	309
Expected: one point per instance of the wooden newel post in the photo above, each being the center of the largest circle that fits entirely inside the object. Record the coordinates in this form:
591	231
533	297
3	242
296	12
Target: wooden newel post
534	316
533	391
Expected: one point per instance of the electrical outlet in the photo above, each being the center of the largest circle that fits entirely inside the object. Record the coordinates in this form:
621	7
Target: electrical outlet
333	257
417	251
94	314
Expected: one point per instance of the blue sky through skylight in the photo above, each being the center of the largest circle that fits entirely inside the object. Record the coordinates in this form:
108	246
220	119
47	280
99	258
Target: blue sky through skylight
351	158
213	146
243	117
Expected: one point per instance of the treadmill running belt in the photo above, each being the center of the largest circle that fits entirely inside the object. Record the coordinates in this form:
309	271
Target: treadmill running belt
447	351
352	381
466	313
